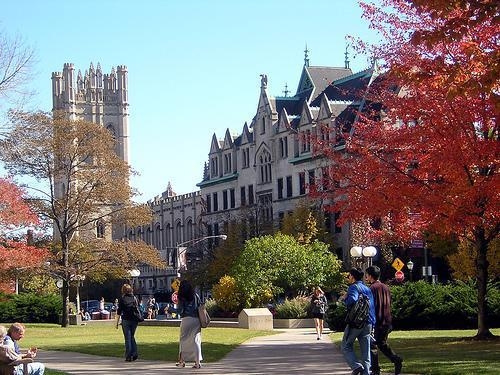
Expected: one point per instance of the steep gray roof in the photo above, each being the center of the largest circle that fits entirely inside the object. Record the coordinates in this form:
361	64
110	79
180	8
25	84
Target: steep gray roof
318	78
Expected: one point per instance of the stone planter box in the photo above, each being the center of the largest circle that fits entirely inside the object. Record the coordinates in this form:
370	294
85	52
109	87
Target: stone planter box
294	323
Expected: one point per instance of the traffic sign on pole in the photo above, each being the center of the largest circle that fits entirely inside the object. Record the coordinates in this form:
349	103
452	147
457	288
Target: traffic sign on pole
399	275
398	264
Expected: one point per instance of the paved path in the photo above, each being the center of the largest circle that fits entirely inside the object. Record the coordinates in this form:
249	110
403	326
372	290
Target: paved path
295	351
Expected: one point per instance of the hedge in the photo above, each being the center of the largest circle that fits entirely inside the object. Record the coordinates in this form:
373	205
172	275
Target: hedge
30	308
420	305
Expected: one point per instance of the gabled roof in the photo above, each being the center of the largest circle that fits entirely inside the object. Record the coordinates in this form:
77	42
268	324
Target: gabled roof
315	79
348	88
246	135
215	146
228	141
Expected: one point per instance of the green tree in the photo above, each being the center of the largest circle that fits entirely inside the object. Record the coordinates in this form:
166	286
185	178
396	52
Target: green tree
226	253
275	264
86	187
306	223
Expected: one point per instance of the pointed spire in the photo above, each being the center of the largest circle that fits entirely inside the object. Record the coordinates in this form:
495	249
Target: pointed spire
170	192
306	56
346	54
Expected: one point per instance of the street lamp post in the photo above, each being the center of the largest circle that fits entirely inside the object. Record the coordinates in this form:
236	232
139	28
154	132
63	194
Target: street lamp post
363	254
79	279
133	274
410	268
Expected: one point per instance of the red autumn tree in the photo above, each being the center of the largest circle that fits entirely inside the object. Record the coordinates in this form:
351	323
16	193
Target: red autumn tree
427	159
16	255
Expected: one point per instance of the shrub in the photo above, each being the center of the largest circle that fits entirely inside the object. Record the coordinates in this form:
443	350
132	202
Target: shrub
30	308
421	305
226	294
295	308
335	316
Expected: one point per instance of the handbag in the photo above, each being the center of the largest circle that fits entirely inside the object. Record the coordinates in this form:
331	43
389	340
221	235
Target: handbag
203	314
137	312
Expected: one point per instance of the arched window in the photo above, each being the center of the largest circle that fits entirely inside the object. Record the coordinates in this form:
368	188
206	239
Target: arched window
178	232
167	235
189	230
264	165
157	235
100	229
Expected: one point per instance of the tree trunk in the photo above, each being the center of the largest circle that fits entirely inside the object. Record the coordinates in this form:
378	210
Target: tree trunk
66	280
481	245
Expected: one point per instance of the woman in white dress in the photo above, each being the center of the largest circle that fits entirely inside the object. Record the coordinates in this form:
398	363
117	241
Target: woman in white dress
190	332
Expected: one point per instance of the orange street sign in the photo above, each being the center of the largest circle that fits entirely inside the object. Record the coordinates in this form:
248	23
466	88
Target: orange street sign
398	264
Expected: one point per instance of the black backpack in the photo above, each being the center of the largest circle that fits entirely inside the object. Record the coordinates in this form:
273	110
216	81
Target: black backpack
357	314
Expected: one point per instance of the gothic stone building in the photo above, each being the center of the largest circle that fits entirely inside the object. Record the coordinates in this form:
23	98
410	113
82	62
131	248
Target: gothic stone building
98	98
262	173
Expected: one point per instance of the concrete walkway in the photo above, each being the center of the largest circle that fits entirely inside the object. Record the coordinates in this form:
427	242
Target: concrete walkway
294	351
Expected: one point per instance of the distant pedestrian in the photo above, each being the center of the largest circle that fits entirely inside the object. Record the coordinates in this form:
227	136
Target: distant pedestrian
190	332
102	309
383	325
318	308
362	333
128	309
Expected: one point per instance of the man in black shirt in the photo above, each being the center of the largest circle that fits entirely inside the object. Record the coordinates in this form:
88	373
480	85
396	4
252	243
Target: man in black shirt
383	324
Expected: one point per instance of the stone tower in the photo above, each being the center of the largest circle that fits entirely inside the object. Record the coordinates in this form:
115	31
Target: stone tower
96	97
101	99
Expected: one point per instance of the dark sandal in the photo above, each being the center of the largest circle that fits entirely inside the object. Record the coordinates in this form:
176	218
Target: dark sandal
181	364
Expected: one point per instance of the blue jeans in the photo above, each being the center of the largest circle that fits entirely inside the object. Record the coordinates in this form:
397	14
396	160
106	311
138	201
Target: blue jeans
128	328
363	336
35	368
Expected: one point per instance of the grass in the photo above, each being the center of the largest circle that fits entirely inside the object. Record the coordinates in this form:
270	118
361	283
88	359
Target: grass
441	352
438	352
155	343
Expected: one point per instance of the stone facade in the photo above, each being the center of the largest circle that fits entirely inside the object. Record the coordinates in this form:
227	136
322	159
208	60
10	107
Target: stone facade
262	173
176	219
101	99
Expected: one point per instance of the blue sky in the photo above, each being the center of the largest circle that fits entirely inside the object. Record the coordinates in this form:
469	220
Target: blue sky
193	66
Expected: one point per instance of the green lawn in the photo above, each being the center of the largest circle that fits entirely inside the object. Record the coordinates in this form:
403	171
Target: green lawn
449	352
440	352
155	343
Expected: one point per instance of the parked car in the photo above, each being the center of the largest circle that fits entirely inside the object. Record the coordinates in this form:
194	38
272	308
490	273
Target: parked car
90	306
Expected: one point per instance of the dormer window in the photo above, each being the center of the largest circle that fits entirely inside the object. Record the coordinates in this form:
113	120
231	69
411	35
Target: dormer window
227	163
306	141
214	170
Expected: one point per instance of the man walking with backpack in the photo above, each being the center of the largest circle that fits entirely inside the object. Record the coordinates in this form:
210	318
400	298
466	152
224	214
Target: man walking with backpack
383	326
360	320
